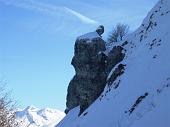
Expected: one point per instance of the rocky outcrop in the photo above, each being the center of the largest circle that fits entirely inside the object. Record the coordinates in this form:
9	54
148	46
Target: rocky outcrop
115	56
92	67
116	73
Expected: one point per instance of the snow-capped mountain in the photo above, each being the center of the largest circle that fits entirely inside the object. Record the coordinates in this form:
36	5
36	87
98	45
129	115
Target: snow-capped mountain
34	117
139	97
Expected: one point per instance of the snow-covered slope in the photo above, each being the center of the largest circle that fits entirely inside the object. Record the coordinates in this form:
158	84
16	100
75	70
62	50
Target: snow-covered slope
141	95
34	117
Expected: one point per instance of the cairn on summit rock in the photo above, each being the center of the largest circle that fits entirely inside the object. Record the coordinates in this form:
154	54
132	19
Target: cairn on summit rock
91	68
100	30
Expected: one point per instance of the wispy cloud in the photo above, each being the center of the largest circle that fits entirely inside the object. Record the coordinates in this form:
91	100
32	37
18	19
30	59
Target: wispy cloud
47	9
80	16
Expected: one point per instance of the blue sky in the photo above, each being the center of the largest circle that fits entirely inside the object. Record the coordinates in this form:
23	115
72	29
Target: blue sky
37	42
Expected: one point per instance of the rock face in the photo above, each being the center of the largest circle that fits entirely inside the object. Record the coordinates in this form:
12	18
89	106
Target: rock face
114	56
92	67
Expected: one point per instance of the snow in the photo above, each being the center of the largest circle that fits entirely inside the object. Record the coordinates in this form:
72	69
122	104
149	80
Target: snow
89	36
35	117
147	71
71	116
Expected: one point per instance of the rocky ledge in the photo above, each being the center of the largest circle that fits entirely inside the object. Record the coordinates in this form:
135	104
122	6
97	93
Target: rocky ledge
92	67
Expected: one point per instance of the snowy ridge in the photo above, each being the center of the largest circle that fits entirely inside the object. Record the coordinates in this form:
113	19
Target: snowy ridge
141	98
34	117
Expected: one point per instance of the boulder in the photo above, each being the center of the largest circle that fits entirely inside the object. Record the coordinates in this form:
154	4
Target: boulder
100	30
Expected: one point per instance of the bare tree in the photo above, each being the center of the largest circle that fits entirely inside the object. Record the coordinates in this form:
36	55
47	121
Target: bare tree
7	114
118	32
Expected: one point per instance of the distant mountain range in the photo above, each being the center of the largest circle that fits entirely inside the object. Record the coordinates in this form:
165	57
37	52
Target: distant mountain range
35	117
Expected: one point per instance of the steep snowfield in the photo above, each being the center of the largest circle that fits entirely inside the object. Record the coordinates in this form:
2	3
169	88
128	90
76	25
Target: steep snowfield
142	96
34	117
